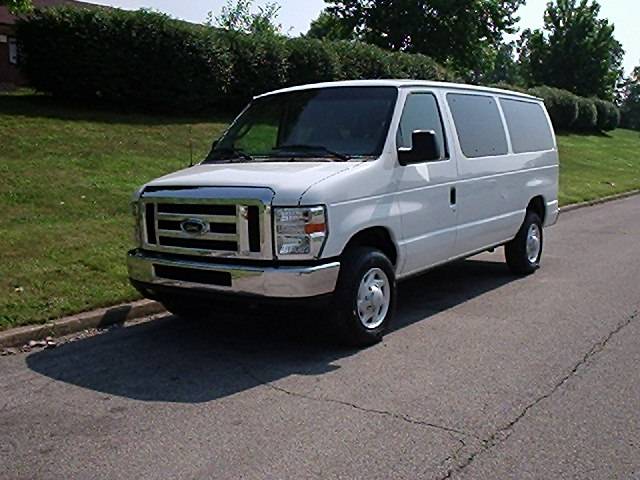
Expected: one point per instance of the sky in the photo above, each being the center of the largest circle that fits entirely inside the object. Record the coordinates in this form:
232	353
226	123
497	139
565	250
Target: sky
296	15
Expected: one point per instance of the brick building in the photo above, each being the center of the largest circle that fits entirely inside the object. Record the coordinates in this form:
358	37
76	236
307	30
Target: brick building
9	56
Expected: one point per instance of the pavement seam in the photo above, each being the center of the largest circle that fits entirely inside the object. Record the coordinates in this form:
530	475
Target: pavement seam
503	433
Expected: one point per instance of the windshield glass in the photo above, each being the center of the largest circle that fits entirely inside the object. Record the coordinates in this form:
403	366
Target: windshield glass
335	123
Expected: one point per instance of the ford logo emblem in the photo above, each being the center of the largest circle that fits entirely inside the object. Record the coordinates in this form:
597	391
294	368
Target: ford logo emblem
194	226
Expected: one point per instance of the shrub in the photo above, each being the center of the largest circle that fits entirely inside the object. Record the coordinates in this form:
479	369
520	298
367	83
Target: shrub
259	64
311	61
361	61
561	105
414	66
608	115
140	58
587	120
149	60
509	86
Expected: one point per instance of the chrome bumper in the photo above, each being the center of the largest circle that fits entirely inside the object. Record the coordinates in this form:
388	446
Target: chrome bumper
281	281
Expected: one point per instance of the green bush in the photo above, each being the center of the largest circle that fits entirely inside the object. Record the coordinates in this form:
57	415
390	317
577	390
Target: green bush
561	105
509	86
587	120
149	60
311	61
120	57
415	66
361	61
259	64
608	115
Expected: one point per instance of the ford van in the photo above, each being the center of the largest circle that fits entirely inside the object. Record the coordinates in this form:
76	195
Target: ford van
334	192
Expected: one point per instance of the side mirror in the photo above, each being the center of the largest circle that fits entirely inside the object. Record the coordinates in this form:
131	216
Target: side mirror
425	148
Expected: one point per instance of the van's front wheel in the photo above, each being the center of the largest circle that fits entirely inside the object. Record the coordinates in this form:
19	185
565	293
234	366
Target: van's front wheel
523	253
365	296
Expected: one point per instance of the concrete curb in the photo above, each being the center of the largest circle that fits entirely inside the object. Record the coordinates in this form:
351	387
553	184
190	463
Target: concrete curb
100	318
598	201
105	317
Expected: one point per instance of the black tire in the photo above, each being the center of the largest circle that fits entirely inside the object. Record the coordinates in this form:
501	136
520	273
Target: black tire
516	250
356	263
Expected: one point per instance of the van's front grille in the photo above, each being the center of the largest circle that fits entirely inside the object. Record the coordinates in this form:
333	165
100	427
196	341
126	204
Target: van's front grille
215	227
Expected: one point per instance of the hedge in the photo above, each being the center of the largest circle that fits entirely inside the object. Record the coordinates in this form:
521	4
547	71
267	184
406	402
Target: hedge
587	120
608	115
120	57
147	59
311	60
569	112
561	105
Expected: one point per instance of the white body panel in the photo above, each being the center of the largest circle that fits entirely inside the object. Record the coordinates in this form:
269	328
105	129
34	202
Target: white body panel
413	203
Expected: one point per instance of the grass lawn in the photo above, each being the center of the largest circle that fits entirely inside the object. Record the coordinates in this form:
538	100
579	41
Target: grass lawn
66	175
595	166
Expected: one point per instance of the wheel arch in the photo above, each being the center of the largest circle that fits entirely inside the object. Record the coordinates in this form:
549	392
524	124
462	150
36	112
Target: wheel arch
376	237
538	205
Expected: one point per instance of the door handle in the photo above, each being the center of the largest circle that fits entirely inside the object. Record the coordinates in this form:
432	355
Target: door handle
453	196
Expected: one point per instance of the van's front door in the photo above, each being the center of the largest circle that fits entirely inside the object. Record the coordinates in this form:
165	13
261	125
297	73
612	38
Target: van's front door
426	191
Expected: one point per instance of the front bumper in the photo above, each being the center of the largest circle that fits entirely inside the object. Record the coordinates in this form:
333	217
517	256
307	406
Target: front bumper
277	281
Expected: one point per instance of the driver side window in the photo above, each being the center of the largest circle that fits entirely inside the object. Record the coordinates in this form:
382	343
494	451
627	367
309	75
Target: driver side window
421	112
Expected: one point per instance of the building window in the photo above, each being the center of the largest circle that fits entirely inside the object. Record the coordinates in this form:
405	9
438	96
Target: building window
13	51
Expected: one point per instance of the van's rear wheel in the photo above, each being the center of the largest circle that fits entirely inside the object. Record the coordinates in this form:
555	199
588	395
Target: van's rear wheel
365	296
523	253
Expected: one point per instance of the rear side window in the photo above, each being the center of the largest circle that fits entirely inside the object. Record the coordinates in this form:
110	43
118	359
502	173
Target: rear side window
528	126
479	125
421	113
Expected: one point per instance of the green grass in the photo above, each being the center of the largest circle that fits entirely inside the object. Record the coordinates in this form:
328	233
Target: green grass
595	166
67	173
66	176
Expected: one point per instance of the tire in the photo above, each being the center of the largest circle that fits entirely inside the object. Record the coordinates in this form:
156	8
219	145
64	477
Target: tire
524	252
364	325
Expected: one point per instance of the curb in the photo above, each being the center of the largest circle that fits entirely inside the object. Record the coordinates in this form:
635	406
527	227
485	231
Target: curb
119	314
100	318
591	203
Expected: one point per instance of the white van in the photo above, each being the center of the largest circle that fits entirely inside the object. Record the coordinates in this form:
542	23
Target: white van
334	192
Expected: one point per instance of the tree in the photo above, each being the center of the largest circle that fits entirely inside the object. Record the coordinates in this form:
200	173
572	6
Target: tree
503	67
630	100
575	51
17	6
238	16
456	32
329	27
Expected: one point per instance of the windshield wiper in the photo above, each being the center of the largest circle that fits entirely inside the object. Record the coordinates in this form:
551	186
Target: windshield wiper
229	153
311	149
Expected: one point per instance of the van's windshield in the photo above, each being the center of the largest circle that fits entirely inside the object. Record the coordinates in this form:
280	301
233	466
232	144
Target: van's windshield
334	124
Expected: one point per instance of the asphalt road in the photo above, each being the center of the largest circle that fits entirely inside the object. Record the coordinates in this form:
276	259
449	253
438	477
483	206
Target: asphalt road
485	376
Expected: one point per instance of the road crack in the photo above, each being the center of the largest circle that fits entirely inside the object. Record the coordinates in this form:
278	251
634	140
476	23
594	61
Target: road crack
503	433
355	406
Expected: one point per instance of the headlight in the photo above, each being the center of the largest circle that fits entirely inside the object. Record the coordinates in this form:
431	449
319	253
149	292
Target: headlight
300	232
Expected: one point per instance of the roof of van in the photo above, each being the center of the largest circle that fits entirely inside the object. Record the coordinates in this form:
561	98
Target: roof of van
402	84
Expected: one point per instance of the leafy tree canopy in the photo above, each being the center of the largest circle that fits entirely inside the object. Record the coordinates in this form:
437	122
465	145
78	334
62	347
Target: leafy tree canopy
630	100
460	33
575	50
238	15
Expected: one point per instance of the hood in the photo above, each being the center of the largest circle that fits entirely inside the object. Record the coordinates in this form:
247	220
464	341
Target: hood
288	180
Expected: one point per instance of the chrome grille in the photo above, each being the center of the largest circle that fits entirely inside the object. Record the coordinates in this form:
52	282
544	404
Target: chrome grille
222	227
